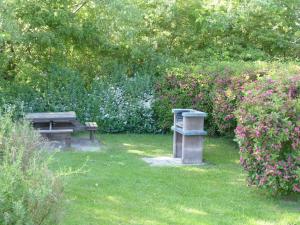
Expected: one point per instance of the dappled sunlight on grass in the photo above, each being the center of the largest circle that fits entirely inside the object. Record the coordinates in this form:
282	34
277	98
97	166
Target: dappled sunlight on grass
263	222
113	199
119	188
237	181
237	161
136	152
147	150
197	169
128	145
149	153
194	211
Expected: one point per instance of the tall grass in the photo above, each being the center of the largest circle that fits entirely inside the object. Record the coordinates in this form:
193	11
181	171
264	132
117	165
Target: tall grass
29	192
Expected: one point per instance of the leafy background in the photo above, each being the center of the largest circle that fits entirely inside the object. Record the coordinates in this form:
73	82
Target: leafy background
103	59
126	63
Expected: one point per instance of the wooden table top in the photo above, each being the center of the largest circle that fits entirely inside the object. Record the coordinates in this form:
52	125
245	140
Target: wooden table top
51	116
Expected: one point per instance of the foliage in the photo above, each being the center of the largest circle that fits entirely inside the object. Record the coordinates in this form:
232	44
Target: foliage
244	30
268	133
123	105
126	63
134	37
120	105
59	90
267	119
182	88
216	88
61	55
29	192
226	99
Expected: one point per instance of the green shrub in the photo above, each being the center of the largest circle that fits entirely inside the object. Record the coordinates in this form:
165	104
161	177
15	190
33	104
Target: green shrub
60	90
214	87
134	104
183	88
227	95
121	105
268	134
198	87
118	104
29	192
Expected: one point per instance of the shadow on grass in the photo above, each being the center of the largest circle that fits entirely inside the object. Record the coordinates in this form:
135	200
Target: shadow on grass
121	189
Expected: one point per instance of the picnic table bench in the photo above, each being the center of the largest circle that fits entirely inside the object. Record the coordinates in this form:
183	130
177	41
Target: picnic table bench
91	127
60	125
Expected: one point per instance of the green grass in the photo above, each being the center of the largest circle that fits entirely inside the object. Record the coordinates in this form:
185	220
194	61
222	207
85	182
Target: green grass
119	188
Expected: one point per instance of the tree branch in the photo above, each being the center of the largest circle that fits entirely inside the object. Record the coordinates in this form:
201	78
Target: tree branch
80	6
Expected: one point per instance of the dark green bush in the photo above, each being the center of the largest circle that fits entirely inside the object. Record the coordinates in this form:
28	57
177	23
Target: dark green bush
120	104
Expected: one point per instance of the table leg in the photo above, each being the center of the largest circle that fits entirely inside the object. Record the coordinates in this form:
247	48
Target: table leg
92	135
68	140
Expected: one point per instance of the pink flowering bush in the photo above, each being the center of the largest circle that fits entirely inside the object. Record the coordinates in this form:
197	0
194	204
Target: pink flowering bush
263	114
182	89
217	95
226	97
268	133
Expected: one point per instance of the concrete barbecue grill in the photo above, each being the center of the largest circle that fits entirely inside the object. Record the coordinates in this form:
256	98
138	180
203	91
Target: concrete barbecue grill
188	135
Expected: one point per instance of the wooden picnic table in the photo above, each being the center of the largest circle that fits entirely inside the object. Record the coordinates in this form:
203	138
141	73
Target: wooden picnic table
51	116
54	124
54	120
59	124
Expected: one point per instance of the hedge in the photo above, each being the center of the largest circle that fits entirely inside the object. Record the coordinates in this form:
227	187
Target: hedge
268	133
261	107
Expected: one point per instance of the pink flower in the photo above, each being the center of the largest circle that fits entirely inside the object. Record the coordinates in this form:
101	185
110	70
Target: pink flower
286	130
240	131
242	161
229	117
296	188
293	92
257	133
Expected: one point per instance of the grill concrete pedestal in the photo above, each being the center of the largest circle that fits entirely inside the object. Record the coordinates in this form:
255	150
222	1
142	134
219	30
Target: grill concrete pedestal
188	135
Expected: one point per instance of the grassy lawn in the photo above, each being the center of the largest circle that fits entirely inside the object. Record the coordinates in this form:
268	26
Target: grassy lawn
119	188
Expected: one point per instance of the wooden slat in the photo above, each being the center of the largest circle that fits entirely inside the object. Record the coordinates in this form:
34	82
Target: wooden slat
91	124
51	116
55	131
